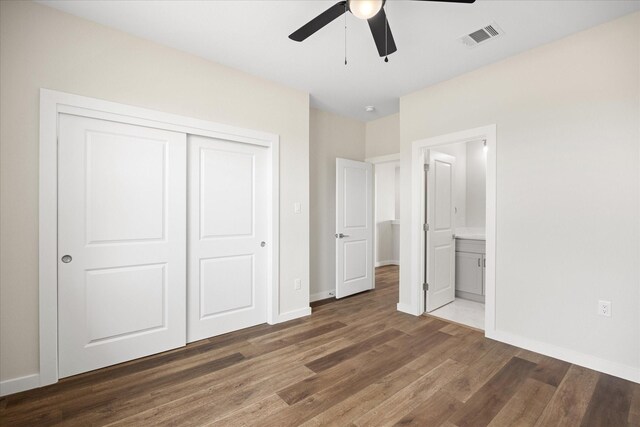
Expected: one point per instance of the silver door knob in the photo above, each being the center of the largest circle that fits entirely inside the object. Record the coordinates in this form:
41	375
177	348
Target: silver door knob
341	236
263	244
66	259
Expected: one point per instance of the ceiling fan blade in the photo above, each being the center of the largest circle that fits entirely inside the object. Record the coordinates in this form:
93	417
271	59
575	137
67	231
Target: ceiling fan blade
318	22
452	1
384	40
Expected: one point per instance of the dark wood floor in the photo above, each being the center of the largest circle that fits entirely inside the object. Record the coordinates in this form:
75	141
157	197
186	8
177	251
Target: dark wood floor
356	361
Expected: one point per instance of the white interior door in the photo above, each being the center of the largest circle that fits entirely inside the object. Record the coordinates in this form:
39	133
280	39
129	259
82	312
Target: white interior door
227	281
440	237
121	242
354	227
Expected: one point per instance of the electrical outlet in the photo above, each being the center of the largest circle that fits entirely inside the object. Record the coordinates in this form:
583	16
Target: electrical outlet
298	284
604	308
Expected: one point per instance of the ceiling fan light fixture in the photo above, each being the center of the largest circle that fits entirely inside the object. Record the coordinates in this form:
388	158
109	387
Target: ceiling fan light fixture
365	9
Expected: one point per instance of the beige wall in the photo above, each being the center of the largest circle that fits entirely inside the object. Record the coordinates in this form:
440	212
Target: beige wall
42	47
568	186
330	136
386	189
383	136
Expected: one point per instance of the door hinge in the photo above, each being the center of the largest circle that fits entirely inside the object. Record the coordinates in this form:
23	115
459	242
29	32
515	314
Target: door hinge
425	286
425	227
426	168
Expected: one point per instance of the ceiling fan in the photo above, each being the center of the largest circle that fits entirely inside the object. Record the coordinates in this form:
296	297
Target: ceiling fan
371	10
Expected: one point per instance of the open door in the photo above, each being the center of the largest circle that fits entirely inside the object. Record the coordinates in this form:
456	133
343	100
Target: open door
439	230
354	227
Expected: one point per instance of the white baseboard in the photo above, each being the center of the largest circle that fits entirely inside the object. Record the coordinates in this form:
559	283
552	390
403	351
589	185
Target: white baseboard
322	295
19	384
387	262
32	381
626	372
405	308
294	314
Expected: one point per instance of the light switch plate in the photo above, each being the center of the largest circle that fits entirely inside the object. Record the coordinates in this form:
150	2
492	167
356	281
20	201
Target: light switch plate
298	284
297	208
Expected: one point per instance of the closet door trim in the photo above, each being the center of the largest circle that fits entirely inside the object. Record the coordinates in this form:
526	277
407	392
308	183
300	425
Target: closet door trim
52	104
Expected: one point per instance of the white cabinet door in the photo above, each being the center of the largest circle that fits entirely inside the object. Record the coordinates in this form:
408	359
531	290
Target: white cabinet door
440	242
227	282
121	242
354	227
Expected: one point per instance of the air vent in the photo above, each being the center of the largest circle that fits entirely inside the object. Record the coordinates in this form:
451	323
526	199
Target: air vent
489	32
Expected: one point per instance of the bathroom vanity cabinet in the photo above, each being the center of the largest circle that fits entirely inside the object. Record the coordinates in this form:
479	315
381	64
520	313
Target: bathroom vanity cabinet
470	269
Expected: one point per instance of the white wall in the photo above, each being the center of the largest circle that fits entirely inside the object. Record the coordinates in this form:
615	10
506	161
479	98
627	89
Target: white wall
568	188
476	191
386	190
397	191
42	47
331	136
470	182
385	194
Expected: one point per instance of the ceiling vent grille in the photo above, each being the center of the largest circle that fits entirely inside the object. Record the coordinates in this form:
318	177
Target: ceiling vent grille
482	35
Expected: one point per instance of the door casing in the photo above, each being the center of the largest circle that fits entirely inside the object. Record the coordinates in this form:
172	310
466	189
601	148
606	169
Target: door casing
53	103
415	268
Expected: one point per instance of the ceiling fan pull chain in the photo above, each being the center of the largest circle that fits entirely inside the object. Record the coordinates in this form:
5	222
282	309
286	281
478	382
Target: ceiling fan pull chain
345	33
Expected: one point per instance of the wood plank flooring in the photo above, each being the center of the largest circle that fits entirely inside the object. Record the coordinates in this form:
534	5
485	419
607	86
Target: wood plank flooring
354	362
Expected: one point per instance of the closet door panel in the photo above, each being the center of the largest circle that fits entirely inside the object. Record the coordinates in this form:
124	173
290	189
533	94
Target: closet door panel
227	227
121	242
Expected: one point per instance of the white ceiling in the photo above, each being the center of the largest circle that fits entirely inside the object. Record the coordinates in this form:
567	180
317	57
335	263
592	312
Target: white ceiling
252	36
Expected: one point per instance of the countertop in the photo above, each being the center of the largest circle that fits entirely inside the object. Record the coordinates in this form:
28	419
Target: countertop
470	233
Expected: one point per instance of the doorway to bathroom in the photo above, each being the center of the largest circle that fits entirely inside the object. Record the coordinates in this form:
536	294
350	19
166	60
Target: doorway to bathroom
454	210
442	197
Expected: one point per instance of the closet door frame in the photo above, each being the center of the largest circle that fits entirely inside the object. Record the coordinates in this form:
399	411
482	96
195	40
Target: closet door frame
54	103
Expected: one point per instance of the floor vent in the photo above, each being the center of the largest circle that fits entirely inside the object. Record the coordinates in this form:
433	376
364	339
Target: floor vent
482	35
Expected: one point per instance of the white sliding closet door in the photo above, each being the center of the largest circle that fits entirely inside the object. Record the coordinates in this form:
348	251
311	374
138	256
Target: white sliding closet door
121	242
227	266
